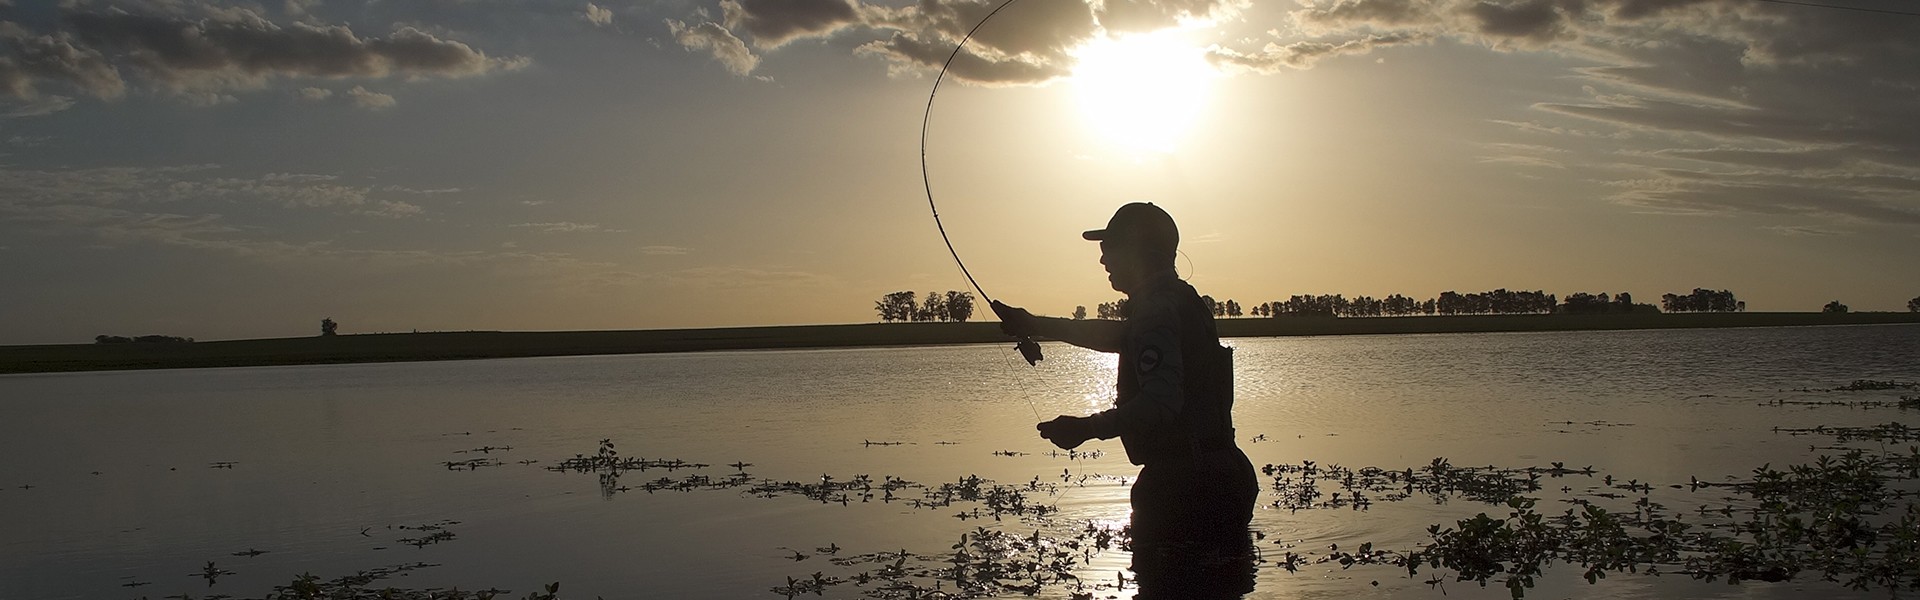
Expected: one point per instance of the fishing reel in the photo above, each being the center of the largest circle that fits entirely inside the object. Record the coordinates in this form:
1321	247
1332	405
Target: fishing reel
1029	350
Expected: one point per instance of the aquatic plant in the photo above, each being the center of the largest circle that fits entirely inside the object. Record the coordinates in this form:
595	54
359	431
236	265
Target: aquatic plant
984	563
357	587
1842	518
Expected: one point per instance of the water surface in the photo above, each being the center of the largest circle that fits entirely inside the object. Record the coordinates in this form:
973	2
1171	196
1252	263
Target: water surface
327	459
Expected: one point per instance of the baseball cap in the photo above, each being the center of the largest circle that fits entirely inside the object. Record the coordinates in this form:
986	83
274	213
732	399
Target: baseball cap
1139	222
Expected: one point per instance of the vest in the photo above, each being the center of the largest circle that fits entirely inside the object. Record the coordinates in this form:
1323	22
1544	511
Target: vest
1205	422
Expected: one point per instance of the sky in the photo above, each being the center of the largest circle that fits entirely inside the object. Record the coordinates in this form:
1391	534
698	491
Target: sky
226	170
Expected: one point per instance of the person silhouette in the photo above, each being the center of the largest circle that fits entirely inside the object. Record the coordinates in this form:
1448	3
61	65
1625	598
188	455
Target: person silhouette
1194	496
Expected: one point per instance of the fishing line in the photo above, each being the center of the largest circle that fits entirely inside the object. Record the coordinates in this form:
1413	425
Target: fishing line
926	119
1028	349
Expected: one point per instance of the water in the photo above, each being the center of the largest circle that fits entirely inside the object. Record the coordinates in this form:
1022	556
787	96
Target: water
327	459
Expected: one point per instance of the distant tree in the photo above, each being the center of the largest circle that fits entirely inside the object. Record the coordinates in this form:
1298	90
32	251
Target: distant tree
328	327
112	339
1080	312
1212	305
1914	304
1834	307
897	306
1233	308
1113	310
934	308
1702	300
959	306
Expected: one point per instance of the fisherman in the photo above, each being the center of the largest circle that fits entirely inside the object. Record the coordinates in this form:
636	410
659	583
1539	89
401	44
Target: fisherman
1173	408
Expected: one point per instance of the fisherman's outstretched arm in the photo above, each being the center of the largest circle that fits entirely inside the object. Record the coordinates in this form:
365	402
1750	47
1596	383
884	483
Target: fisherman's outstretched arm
1103	336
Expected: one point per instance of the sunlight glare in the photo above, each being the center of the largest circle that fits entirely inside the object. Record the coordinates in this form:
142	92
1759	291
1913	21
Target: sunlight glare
1143	92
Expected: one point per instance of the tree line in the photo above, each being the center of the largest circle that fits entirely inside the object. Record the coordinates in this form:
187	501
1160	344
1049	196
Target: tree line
902	307
144	339
1495	302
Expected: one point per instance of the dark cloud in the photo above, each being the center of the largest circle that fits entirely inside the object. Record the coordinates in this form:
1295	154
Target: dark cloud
218	49
776	22
28	57
1027	43
907	51
1381	12
1533	21
1639	9
171	48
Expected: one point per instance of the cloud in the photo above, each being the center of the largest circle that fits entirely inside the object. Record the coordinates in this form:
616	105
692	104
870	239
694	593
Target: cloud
1800	231
740	278
664	250
1149	15
906	52
597	15
27	58
201	56
315	94
1027	44
1724	107
1302	54
726	48
368	99
31	190
38	107
773	23
565	227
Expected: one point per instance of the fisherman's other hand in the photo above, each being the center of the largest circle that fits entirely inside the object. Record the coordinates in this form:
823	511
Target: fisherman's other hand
1014	321
1067	432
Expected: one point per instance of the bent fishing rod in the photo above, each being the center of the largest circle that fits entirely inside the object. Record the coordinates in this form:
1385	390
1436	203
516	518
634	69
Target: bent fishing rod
1029	349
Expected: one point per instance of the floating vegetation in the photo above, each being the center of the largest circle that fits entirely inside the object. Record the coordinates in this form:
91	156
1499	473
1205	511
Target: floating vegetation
1839	518
1585	426
1077	454
471	464
222	464
990	500
984	563
1904	403
211	573
871	443
358	587
1885	432
431	533
1299	486
1867	385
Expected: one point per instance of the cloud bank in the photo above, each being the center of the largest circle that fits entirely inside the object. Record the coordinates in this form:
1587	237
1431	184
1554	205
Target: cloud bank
204	52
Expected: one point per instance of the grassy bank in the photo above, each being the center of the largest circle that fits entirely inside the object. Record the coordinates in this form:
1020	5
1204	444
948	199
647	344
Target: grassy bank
396	347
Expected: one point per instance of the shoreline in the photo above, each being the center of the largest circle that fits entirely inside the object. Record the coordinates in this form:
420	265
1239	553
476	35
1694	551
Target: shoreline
469	345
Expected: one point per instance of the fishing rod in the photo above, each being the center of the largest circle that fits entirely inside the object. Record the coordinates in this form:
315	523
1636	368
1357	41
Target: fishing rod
1029	349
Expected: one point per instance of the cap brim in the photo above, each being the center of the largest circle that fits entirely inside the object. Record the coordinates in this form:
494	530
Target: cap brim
1094	235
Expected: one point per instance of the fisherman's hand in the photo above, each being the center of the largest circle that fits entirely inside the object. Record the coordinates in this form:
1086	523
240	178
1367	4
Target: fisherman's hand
1067	432
1015	321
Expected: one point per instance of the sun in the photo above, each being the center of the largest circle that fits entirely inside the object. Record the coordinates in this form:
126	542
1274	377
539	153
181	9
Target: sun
1145	92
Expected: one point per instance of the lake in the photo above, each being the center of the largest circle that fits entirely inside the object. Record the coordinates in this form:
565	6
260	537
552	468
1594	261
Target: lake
126	484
